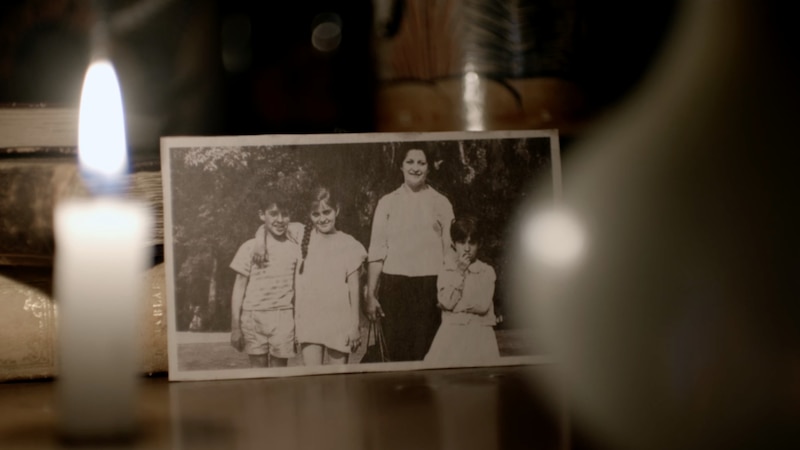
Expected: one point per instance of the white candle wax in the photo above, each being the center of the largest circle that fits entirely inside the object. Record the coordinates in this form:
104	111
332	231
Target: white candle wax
102	251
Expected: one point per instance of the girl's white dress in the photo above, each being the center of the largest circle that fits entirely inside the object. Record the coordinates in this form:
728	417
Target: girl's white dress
464	337
323	313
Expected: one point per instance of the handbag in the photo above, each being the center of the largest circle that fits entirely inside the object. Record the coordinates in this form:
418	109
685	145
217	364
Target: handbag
378	351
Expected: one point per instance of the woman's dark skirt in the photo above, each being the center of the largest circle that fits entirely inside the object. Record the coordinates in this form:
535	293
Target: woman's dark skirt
411	315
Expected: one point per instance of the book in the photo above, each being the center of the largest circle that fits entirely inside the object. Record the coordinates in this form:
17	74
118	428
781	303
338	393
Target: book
35	127
39	168
28	323
32	187
31	126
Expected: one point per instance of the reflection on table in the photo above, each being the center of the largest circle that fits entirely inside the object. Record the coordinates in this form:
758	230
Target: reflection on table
484	408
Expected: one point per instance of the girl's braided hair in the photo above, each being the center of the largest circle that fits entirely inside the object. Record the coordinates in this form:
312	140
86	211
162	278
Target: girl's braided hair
304	244
318	195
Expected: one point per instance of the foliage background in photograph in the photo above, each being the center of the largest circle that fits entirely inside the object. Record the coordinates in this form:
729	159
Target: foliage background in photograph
216	191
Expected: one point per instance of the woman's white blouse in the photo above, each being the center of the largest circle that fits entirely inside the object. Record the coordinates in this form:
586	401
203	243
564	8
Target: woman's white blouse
411	231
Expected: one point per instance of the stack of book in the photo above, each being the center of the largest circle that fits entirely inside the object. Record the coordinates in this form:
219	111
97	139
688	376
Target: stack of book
38	168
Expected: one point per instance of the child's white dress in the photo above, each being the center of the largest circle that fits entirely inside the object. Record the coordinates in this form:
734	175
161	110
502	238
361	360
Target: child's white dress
465	338
323	313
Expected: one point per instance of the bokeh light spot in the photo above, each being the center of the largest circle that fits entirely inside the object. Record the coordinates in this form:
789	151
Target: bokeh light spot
327	32
554	237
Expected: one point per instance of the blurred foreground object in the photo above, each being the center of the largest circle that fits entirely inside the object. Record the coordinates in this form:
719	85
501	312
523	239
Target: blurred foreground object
678	322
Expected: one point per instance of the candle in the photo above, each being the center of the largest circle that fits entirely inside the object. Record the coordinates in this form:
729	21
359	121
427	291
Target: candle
101	253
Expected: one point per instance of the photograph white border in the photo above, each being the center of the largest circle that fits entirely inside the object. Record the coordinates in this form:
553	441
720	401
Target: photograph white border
168	143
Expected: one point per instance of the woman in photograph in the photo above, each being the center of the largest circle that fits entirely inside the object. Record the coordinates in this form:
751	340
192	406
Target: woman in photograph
327	285
410	236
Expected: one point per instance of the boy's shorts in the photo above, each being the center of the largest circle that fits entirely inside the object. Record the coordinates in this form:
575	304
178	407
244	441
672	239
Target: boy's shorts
269	332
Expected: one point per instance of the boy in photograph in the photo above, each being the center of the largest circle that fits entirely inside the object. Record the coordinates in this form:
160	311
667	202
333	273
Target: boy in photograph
262	315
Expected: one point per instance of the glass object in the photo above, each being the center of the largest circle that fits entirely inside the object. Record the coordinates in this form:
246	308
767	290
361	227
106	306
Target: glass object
476	65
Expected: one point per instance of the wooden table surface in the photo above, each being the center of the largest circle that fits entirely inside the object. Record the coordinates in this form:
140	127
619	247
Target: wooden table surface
463	409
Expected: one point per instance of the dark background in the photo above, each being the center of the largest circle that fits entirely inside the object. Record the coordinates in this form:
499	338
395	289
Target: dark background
208	67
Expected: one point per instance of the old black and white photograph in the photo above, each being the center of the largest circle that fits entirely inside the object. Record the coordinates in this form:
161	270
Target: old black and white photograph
307	254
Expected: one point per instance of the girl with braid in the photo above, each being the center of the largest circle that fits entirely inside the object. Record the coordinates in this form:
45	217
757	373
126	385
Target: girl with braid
327	285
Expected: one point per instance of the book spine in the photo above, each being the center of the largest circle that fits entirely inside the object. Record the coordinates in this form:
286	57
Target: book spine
28	324
33	186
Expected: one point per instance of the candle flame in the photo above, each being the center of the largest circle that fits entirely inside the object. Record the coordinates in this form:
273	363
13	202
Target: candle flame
101	125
